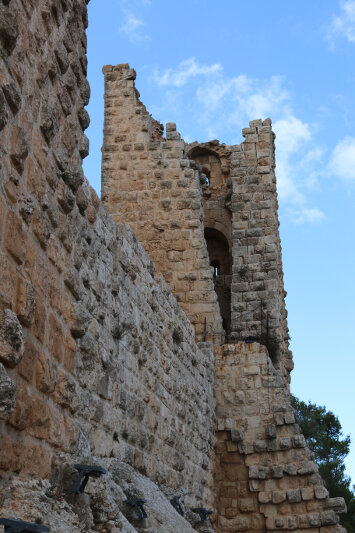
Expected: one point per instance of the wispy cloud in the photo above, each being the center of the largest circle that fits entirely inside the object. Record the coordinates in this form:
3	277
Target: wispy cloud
343	24
223	105
133	28
291	136
342	160
185	70
303	215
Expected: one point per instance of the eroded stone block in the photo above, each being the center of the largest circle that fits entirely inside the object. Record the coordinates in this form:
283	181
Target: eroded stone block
7	394
11	339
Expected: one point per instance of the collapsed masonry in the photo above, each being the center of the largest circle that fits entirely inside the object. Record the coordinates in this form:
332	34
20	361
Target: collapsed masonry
137	362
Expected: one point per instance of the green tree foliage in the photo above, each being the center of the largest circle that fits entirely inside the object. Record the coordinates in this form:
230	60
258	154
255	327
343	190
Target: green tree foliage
323	433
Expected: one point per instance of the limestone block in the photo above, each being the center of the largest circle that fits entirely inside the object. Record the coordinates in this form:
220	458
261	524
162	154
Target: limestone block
314	520
260	445
278	496
25	302
291	469
271	432
46	373
8	280
238	523
41	227
289	418
15	237
299	441
293	495
26	209
329	518
285	443
263	472
336	504
7	394
237	435
73	178
253	472
12	96
308	467
292	522
4	115
302	521
9	29
279	522
276	471
321	492
254	485
307	493
19	148
11	339
265	497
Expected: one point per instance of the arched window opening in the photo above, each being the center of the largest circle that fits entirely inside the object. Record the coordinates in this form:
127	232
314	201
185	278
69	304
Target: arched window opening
221	261
211	164
207	172
216	268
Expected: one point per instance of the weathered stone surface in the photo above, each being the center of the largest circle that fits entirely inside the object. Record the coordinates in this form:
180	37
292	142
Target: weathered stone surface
103	506
19	148
25	302
241	470
7	394
11	339
3	112
12	95
320	492
8	28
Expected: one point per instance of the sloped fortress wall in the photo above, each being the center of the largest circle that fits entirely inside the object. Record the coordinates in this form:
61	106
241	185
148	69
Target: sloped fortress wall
265	478
95	352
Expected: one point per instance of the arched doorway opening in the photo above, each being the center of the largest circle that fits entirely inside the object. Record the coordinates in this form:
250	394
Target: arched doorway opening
220	259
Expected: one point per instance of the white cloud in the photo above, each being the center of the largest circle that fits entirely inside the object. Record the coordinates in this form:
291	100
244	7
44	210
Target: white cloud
251	96
133	28
342	160
265	98
185	70
304	215
343	25
291	136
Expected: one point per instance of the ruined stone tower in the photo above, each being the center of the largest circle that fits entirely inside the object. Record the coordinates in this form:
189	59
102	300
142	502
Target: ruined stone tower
205	213
145	332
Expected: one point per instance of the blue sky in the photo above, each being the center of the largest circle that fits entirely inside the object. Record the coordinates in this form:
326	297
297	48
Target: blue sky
211	67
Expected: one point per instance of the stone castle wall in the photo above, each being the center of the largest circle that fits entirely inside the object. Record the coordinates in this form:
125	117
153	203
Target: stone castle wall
97	358
100	352
149	182
265	479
